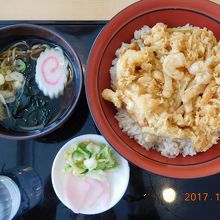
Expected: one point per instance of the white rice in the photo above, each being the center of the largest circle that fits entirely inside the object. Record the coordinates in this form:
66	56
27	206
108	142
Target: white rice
166	146
144	30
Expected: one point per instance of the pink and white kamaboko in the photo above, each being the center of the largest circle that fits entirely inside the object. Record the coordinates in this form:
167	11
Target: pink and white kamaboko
52	72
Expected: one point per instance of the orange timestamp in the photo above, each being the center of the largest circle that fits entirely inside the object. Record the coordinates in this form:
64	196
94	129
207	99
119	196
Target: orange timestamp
201	196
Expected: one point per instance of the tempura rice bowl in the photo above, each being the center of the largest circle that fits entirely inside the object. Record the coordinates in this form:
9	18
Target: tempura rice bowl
121	29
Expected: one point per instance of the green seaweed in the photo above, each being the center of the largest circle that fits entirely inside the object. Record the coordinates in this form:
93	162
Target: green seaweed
31	108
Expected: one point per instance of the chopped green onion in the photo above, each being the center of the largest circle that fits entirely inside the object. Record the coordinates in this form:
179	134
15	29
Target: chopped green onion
77	156
90	163
67	168
101	166
85	153
20	65
87	158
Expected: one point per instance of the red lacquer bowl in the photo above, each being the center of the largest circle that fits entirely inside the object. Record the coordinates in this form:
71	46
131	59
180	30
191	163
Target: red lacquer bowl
120	29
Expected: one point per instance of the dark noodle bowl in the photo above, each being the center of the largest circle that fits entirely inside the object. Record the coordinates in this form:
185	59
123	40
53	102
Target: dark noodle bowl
40	114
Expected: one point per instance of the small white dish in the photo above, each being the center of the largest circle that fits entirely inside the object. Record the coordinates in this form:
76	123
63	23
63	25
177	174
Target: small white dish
118	178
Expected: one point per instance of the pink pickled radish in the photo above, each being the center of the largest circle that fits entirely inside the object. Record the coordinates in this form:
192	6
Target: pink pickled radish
83	193
75	191
99	193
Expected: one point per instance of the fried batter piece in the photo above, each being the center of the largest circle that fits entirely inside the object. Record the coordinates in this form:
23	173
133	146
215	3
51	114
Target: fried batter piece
170	84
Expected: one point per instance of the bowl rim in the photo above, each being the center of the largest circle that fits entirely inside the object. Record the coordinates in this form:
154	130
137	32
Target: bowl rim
48	129
84	137
185	172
